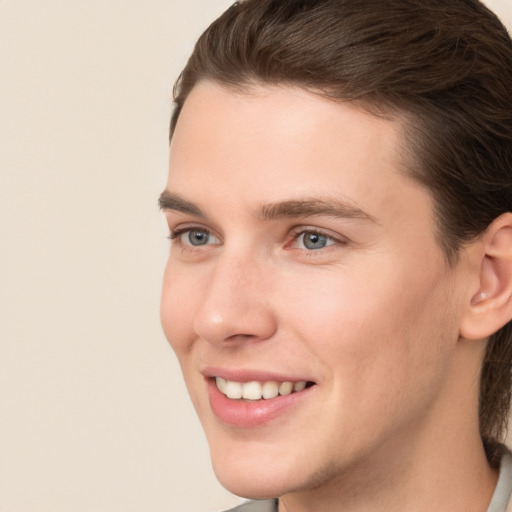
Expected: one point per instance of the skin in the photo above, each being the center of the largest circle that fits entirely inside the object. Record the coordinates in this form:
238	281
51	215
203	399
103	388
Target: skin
372	318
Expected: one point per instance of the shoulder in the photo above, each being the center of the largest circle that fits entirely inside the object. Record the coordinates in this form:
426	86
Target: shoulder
506	477
501	499
256	506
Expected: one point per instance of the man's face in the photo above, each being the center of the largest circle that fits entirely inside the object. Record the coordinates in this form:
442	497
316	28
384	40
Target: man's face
302	254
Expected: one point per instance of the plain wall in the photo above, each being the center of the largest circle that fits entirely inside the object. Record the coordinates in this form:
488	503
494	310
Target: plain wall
94	416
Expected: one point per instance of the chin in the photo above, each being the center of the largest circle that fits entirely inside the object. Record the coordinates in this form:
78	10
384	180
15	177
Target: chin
247	484
251	488
262	476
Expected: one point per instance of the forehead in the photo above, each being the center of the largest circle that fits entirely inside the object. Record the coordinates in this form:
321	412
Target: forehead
288	111
272	142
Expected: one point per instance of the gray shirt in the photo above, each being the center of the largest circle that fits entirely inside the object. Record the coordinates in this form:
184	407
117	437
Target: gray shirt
500	500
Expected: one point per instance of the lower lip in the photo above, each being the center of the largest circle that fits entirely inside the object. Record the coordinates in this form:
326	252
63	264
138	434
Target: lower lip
250	414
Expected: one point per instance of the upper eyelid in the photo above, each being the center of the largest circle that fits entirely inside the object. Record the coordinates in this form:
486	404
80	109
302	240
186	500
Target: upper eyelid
292	233
299	230
176	232
188	225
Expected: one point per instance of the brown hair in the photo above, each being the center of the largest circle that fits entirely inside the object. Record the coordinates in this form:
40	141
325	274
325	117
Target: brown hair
445	66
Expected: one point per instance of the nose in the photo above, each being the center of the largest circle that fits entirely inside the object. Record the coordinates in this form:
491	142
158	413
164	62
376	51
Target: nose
236	305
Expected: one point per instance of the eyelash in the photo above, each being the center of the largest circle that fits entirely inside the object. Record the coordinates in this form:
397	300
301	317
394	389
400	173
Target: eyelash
299	232
176	233
295	234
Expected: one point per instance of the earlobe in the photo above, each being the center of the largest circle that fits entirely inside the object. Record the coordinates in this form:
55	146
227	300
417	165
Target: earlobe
490	307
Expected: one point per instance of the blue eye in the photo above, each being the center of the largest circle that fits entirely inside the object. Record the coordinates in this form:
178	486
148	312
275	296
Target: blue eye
194	237
197	236
313	240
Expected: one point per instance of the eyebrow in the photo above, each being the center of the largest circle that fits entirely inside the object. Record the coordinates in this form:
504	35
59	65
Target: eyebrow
170	201
309	207
294	208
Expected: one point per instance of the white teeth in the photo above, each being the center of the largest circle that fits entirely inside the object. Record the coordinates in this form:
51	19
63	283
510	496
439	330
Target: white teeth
299	386
221	384
286	388
233	389
270	389
251	391
256	390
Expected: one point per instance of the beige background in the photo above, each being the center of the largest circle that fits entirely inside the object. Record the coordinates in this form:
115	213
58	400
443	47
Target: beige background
93	413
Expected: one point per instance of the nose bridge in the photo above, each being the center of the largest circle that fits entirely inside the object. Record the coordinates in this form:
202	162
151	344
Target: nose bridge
240	270
236	303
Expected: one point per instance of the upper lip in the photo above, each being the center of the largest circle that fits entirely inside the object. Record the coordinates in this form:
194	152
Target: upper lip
249	375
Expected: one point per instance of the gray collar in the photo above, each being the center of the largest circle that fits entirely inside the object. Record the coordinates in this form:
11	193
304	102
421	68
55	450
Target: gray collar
503	489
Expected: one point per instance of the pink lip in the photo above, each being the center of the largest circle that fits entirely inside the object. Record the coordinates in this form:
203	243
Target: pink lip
250	375
247	414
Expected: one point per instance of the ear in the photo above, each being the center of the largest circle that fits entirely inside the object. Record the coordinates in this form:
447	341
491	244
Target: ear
490	307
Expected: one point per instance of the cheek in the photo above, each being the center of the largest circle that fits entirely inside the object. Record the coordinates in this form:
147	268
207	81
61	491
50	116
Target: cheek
382	349
177	310
374	326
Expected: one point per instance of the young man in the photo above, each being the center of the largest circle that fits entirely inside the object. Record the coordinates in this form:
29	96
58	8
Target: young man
339	285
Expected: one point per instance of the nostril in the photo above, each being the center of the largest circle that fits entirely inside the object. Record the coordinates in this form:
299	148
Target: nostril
241	337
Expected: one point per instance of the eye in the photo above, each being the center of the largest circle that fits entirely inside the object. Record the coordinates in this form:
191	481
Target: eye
194	237
313	240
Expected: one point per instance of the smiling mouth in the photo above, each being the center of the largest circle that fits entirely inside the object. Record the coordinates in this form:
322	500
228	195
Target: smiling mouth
255	390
